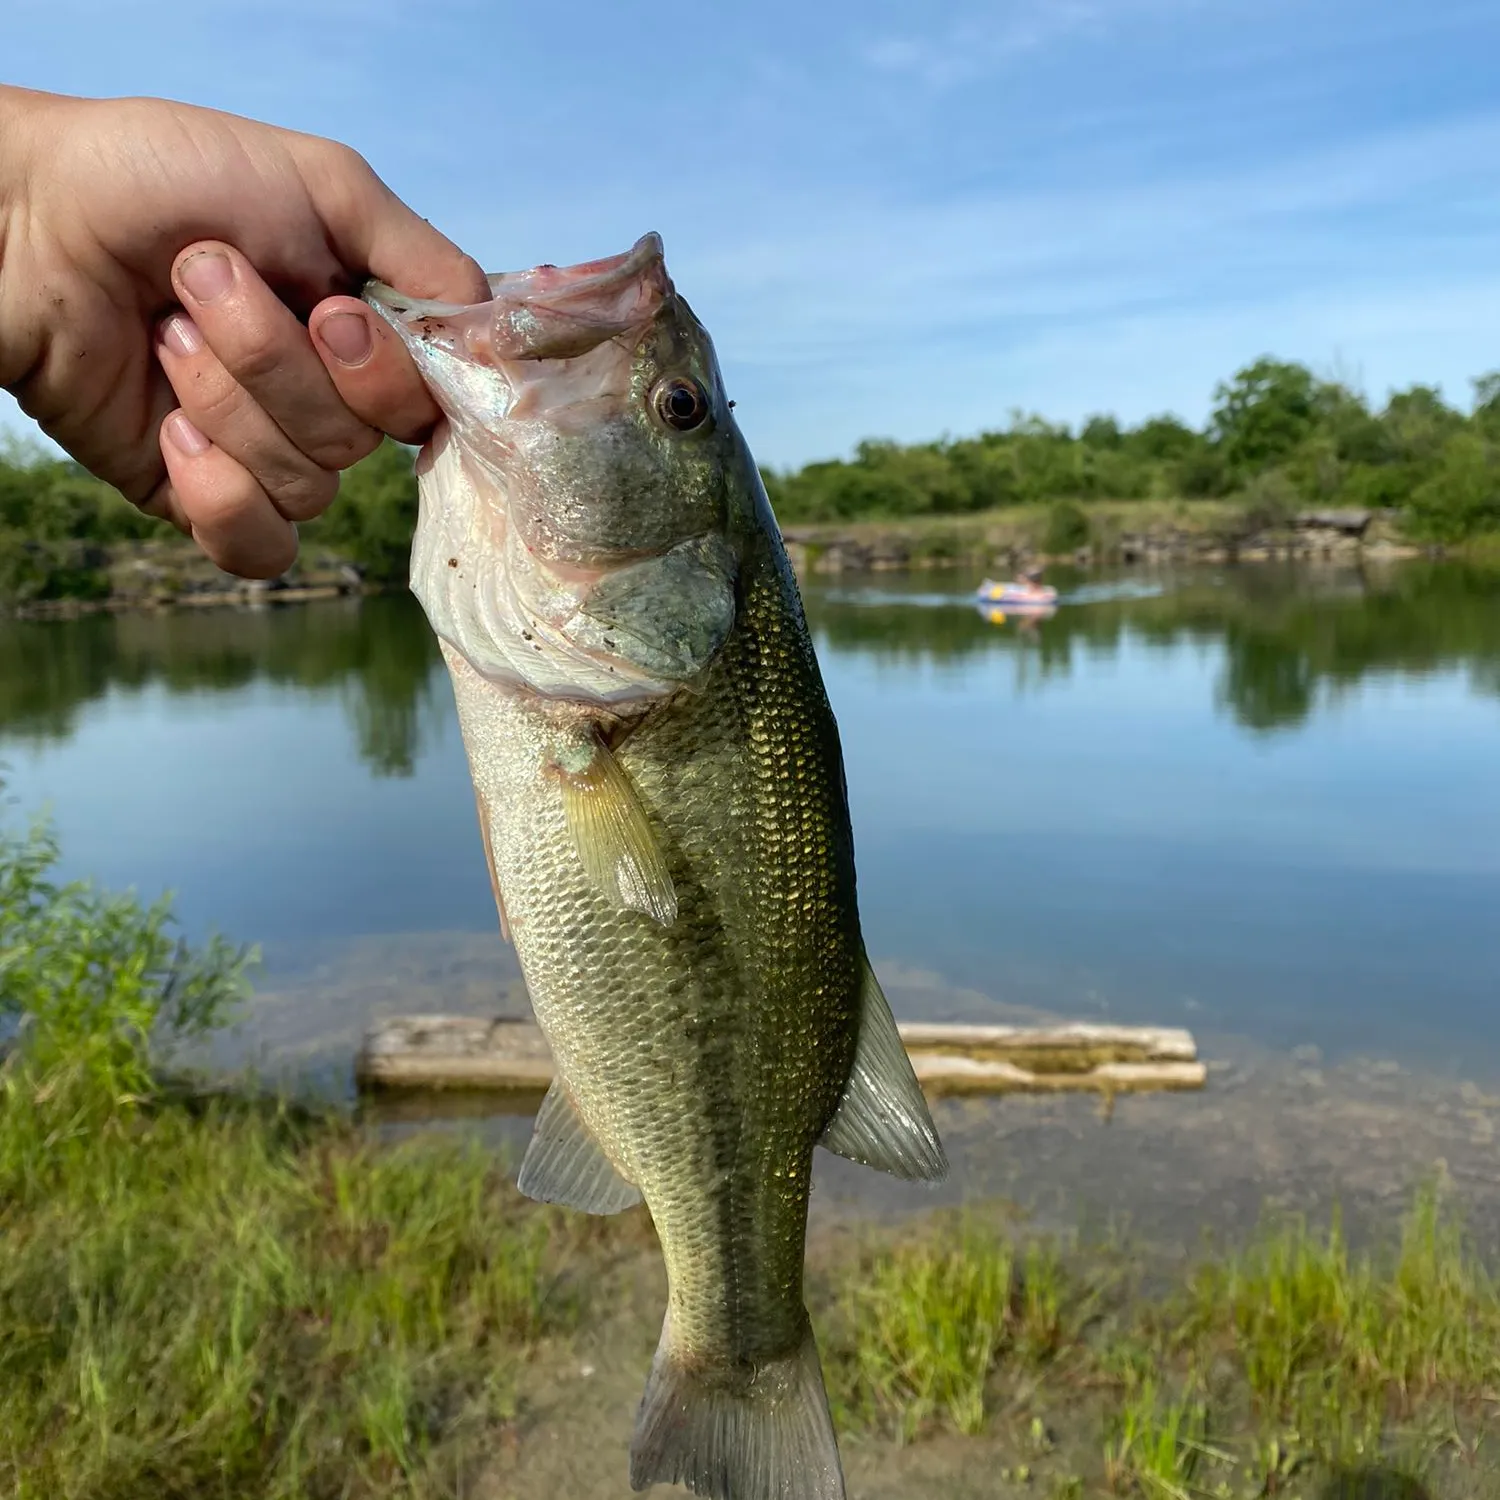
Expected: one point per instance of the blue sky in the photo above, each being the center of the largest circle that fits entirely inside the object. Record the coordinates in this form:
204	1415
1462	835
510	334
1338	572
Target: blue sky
906	219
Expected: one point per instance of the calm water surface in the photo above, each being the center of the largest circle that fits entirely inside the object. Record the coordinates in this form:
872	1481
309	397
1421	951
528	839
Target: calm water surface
1264	804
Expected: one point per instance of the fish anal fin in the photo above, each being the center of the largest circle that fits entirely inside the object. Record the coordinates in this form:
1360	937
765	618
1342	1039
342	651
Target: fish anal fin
883	1120
615	840
566	1164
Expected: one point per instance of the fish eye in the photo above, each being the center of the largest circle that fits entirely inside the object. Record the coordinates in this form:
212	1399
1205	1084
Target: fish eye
681	403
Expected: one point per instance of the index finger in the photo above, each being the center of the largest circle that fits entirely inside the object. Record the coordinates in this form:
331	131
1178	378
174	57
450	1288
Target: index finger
371	228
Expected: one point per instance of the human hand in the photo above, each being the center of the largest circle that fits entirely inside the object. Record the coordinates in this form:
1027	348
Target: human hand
155	259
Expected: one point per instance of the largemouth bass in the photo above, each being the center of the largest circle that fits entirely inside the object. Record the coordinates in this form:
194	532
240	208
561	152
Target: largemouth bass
662	804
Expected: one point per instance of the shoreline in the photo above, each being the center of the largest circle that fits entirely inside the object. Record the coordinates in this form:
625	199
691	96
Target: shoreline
155	576
1133	533
250	594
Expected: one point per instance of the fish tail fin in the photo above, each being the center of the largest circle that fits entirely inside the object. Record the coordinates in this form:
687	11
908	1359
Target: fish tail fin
768	1439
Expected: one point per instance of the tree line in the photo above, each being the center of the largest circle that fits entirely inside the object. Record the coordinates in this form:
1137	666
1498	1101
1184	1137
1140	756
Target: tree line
1279	438
58	523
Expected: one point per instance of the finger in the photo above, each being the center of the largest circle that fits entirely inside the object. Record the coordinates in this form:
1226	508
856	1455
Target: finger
220	408
228	514
374	375
371	228
268	353
162	504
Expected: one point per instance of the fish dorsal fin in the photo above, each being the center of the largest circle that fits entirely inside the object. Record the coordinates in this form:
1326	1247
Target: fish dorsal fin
883	1121
565	1164
615	840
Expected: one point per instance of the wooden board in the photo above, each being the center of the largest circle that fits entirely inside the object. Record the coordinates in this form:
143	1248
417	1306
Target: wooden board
423	1053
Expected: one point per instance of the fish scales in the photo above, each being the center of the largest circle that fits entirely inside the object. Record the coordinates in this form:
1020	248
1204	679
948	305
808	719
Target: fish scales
742	1013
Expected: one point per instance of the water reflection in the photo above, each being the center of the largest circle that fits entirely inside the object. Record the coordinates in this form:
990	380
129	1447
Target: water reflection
1286	638
1289	639
1023	617
378	657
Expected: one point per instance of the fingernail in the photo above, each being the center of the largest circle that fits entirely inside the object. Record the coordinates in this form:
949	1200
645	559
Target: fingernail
346	337
185	437
181	336
206	275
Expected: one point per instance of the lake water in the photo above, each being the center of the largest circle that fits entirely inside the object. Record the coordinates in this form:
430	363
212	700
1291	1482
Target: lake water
1264	804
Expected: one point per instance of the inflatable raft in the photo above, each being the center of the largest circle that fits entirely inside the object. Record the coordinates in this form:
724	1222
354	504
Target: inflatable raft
1017	595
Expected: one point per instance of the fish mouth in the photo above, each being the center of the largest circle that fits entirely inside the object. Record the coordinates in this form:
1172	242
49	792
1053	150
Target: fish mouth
548	312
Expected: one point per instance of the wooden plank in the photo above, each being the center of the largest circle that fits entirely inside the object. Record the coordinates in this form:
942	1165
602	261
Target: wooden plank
943	1074
426	1053
1054	1048
454	1052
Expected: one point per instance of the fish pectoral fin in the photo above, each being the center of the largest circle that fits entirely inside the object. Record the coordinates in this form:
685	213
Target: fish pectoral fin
565	1163
883	1121
609	825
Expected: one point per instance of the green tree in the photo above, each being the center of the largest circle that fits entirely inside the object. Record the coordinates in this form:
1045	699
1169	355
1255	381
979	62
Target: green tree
1345	419
1487	403
987	468
1278	438
1417	423
1101	432
1067	528
375	514
1263	414
1462	496
1161	440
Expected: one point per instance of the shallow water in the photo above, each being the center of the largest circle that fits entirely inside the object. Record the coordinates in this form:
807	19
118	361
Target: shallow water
1261	803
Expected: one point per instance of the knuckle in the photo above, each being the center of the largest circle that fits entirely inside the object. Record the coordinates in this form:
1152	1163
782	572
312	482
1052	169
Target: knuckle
344	449
344	166
257	355
162	505
353	162
209	394
388	397
300	494
238	529
228	504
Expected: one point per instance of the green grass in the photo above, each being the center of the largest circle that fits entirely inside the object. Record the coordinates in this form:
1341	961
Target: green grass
220	1298
920	1329
223	1295
917	1331
1337	1351
1157	1444
1294	1356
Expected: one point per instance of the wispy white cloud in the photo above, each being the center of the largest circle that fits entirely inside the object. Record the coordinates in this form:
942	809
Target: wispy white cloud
911	321
940	56
972	47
